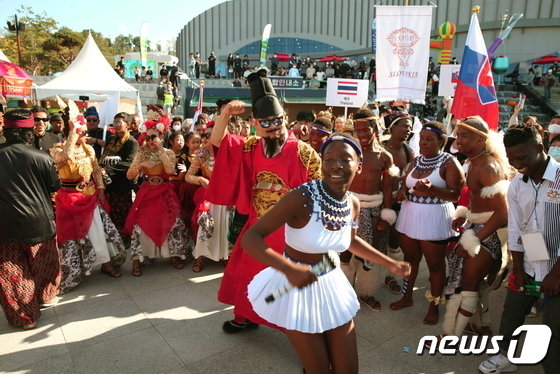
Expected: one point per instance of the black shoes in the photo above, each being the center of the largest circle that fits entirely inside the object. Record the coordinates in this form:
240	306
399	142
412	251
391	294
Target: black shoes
233	327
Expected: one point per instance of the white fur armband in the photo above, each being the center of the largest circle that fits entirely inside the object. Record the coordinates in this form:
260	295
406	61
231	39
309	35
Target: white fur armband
470	242
394	171
461	212
498	188
389	216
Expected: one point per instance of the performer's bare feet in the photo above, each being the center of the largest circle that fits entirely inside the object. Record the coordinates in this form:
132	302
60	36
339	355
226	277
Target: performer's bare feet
405	302
432	317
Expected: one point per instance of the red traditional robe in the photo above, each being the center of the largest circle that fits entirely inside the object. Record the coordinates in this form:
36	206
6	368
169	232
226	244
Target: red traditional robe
244	177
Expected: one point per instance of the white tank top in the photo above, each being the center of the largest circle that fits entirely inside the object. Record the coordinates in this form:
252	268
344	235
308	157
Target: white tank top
314	237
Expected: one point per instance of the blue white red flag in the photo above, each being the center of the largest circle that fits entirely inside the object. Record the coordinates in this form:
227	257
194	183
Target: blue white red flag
475	93
347	88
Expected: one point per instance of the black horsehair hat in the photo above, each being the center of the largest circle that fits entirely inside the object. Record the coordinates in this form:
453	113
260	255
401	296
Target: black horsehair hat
263	97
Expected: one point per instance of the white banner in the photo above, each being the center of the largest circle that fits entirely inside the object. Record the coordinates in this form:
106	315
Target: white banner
351	93
449	74
403	49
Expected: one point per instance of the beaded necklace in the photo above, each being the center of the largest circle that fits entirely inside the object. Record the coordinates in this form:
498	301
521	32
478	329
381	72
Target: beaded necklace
424	164
332	212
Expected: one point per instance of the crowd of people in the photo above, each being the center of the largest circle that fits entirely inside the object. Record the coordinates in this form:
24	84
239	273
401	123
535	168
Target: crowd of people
322	203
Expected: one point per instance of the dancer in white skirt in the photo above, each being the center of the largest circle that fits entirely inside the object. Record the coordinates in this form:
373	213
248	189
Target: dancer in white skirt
318	216
434	180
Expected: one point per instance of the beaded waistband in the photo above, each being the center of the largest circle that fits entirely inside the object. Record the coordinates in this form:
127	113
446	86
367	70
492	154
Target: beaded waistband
424	199
305	263
155	180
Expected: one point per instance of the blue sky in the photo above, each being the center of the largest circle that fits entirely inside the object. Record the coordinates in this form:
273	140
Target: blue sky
113	17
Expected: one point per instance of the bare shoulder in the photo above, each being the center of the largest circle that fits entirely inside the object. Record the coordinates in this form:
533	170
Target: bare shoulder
488	173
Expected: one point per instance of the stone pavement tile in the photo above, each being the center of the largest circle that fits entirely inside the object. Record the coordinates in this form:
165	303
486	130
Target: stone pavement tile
61	364
261	355
200	337
143	351
101	322
97	289
377	360
179	302
156	276
19	348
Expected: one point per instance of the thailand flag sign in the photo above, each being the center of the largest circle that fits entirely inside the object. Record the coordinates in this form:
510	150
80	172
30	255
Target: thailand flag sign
347	88
475	93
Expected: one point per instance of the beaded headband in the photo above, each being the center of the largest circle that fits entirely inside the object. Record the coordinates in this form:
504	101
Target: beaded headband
434	129
346	140
320	130
398	119
365	119
473	129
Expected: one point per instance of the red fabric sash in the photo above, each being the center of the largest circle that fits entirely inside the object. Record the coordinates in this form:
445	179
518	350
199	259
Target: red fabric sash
74	213
155	210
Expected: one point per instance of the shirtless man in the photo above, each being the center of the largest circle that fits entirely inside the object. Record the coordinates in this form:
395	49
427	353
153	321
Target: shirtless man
400	128
480	249
373	189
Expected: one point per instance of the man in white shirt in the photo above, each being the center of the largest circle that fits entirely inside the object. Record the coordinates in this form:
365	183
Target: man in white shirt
534	208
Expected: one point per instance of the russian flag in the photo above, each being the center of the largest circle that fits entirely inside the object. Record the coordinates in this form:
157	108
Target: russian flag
475	93
347	88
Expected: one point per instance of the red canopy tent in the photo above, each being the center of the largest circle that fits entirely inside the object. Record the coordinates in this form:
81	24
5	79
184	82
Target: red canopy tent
331	58
282	57
14	81
545	60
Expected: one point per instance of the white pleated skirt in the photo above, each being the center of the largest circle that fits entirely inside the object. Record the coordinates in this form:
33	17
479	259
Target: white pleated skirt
323	305
426	221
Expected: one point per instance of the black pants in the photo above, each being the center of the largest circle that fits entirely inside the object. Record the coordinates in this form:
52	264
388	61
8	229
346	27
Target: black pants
516	307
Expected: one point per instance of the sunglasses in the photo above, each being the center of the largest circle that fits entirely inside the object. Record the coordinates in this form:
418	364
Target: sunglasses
151	137
41	119
266	123
92	120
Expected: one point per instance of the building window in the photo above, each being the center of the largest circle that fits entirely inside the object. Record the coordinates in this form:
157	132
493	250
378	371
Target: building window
288	45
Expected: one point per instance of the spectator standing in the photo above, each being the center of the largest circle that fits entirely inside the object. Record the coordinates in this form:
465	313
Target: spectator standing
163	73
29	263
548	82
212	65
230	66
197	65
174	75
274	61
137	73
43	140
192	64
237	66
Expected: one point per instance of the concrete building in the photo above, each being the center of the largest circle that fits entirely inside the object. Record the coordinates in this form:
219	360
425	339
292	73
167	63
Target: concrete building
317	27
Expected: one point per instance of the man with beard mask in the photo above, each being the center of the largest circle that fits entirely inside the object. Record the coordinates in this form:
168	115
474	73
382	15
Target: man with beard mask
254	173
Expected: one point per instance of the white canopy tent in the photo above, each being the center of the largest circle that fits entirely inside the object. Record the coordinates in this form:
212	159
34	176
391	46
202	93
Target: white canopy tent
3	57
91	75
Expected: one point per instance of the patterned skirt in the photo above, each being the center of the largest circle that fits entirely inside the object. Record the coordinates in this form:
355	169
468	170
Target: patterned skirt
29	276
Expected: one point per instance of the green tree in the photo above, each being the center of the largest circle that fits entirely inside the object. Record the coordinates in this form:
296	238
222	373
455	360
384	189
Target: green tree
61	49
38	28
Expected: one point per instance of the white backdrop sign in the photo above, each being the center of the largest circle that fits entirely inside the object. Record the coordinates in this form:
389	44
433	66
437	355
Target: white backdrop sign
448	80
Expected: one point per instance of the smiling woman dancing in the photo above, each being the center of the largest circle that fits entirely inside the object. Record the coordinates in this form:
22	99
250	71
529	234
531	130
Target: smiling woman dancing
318	216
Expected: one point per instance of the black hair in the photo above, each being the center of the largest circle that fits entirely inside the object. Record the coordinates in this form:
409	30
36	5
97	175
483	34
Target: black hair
38	109
173	135
324	122
520	134
441	133
20	135
352	142
124	116
189	135
305	116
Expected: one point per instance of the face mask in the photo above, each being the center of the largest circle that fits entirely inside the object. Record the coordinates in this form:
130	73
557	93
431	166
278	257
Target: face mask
554	152
176	127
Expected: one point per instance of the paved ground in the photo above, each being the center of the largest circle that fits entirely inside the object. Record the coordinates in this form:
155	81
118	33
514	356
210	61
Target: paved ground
169	321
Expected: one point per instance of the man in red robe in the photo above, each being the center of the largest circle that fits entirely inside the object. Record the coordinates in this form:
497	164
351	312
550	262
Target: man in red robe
253	174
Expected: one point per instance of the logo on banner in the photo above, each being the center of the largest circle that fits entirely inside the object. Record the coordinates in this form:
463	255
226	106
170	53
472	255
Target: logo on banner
403	40
531	351
347	88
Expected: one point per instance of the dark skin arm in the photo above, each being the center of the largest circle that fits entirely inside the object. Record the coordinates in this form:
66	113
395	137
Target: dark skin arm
387	188
550	285
291	210
454	179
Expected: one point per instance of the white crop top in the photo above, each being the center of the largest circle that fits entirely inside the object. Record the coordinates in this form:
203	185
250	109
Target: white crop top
434	177
314	237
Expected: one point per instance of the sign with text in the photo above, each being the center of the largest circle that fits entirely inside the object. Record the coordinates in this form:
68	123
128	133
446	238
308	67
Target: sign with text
351	93
286	82
449	74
